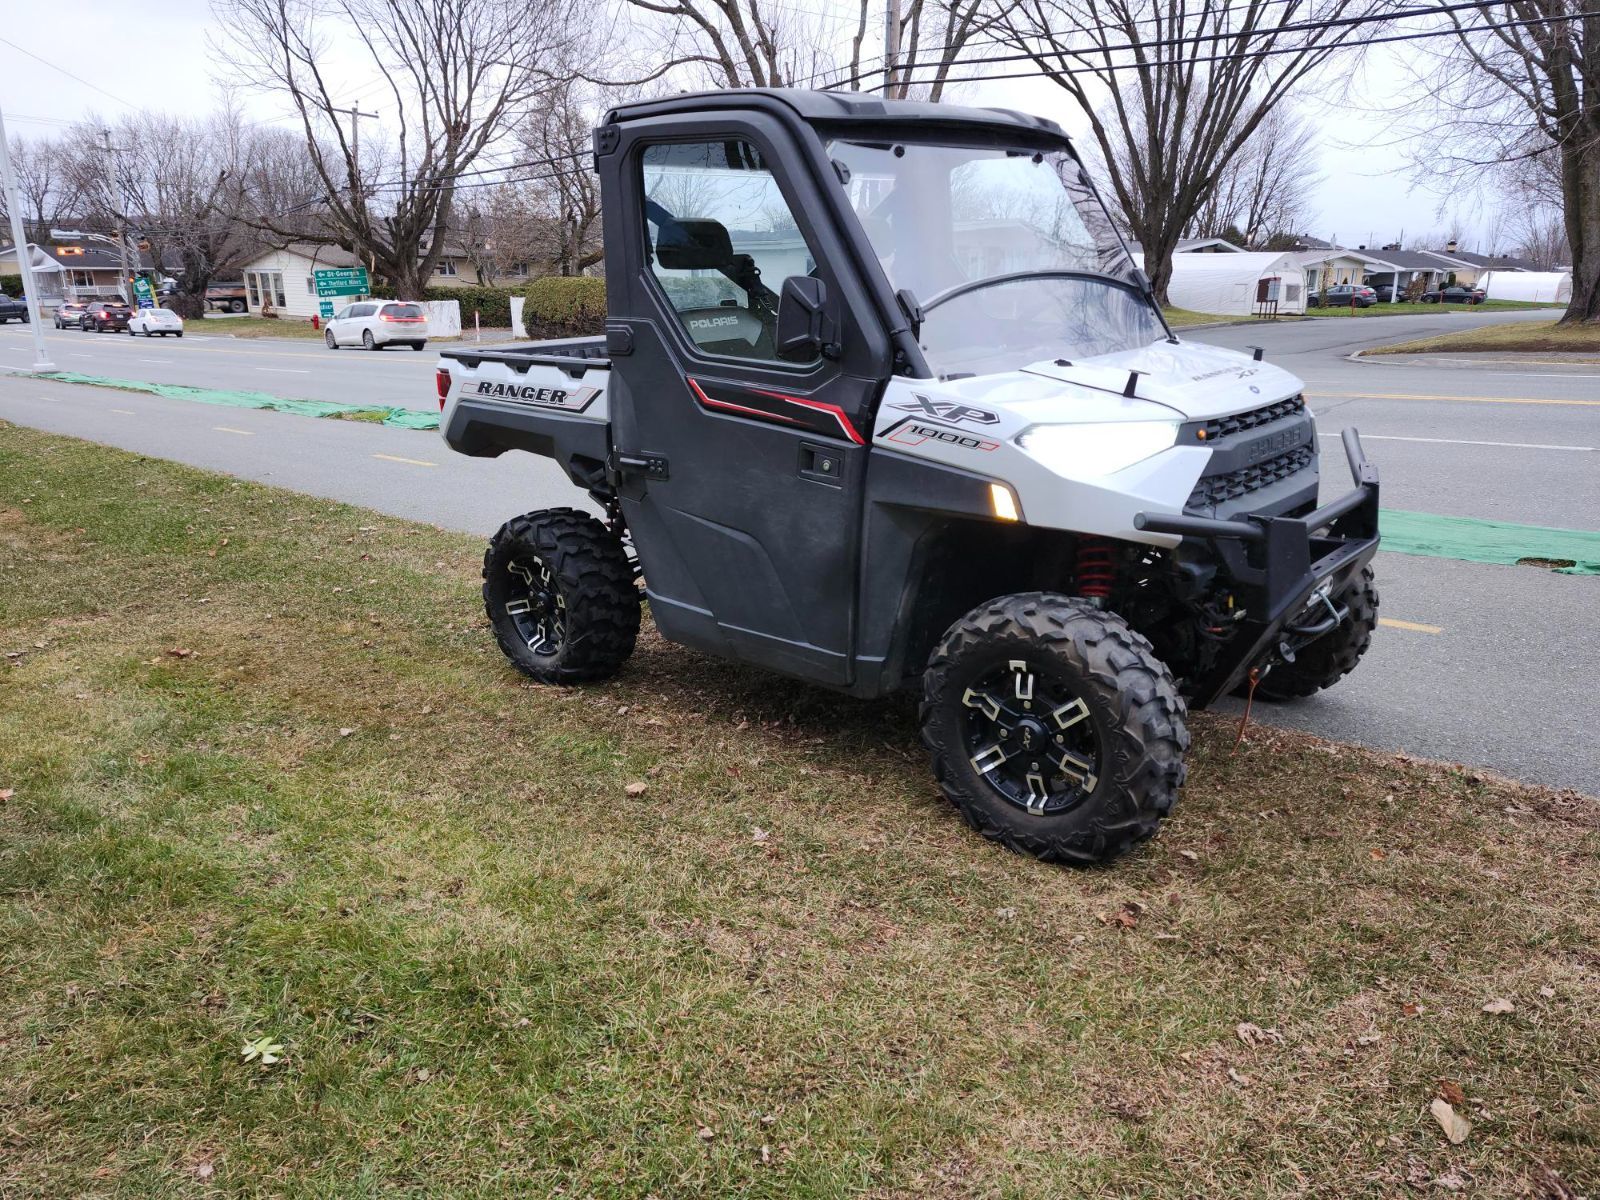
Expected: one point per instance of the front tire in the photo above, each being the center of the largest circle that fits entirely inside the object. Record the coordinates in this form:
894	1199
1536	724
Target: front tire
329	338
1332	656
558	589
1054	729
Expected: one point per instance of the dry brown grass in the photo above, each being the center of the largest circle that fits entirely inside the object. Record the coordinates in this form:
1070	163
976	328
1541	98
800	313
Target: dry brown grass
496	973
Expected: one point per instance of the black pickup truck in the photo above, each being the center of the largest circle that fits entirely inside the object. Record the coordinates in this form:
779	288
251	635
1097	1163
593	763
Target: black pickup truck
12	310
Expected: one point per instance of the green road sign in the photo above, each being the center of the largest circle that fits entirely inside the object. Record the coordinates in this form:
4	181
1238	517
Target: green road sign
326	308
143	294
342	281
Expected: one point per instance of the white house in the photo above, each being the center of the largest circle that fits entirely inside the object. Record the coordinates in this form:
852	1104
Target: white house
282	280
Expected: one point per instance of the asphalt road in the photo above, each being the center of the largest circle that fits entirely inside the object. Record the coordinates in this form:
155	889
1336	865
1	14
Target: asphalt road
1491	666
206	357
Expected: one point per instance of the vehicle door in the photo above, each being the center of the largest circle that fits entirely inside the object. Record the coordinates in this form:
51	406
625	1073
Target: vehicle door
742	463
343	324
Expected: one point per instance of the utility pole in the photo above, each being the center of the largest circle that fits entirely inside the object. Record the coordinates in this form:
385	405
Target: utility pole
355	134
30	293
125	280
891	45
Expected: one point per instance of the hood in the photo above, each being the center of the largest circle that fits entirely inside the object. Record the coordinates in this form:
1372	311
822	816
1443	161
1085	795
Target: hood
1197	381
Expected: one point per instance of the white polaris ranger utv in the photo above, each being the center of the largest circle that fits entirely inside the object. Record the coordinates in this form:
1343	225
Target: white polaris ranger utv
883	402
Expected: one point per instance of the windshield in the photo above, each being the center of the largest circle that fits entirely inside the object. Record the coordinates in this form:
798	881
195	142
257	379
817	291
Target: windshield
942	218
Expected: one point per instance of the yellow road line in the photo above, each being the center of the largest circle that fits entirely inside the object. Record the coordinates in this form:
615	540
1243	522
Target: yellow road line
1454	399
1411	625
415	462
230	429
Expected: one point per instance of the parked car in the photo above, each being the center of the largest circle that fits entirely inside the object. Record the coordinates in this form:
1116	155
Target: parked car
70	314
1455	294
1385	294
375	324
150	321
12	310
1342	295
228	297
103	315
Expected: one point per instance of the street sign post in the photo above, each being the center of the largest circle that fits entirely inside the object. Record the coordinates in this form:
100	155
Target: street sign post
341	281
143	294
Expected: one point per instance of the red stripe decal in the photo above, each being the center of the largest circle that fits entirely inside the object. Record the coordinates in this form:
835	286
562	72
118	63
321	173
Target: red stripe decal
738	408
832	410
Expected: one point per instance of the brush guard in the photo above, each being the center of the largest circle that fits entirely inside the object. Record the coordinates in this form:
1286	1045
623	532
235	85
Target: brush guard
1284	571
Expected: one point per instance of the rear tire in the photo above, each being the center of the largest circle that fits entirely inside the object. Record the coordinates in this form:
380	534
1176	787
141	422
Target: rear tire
559	592
367	341
1334	655
1108	739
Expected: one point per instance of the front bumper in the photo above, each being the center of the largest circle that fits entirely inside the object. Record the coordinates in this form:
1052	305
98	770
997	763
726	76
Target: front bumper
1276	565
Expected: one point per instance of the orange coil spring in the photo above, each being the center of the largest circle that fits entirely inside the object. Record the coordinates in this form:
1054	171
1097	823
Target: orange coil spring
1097	567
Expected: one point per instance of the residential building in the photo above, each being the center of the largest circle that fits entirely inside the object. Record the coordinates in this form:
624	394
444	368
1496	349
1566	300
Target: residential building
283	281
81	270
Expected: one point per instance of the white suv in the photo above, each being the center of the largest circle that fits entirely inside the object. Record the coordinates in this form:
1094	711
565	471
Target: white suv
379	323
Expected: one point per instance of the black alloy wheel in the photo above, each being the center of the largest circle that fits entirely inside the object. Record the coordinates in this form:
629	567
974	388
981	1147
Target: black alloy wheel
535	607
1030	737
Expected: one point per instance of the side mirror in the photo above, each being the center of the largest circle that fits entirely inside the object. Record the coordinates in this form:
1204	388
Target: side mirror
804	330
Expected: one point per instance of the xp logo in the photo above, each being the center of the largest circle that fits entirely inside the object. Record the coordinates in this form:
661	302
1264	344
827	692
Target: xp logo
948	410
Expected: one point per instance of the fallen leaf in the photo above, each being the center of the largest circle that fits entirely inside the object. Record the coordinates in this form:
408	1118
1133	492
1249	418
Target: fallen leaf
1449	1182
1546	992
423	1074
637	788
6	793
346	732
1499	1005
1411	1008
1455	1126
705	1133
1242	1080
204	1169
264	1049
1377	854
759	834
179	652
1253	1035
1189	854
1006	914
1450	1092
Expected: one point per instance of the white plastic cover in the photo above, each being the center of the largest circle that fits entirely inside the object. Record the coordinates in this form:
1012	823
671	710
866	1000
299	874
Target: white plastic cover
1549	287
1228	284
444	317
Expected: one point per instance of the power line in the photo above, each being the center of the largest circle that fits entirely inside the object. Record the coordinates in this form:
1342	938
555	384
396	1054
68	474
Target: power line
1234	55
63	70
1204	38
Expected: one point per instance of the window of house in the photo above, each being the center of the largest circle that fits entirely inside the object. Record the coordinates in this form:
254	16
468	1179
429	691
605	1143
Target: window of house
251	290
721	240
311	285
446	267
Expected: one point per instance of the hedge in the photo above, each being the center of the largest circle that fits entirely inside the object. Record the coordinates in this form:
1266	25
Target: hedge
557	305
11	285
570	302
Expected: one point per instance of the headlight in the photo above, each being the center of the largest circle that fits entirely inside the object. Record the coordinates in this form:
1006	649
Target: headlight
1091	451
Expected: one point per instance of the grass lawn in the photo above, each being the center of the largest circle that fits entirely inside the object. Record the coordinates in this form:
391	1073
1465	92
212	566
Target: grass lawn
1403	309
263	775
260	327
1179	317
1530	337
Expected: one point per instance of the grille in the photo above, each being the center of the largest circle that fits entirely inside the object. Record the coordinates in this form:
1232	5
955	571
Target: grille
1224	426
1218	489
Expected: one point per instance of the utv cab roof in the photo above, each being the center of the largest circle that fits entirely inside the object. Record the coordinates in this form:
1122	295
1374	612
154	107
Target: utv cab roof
840	107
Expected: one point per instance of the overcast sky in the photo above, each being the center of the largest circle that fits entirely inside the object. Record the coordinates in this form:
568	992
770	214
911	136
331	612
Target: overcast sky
162	57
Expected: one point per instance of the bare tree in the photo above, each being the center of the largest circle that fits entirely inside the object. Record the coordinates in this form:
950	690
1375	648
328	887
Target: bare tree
459	73
1519	83
45	185
772	43
558	132
1265	193
1173	90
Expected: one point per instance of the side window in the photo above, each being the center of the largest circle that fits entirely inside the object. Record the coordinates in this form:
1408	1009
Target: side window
721	240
